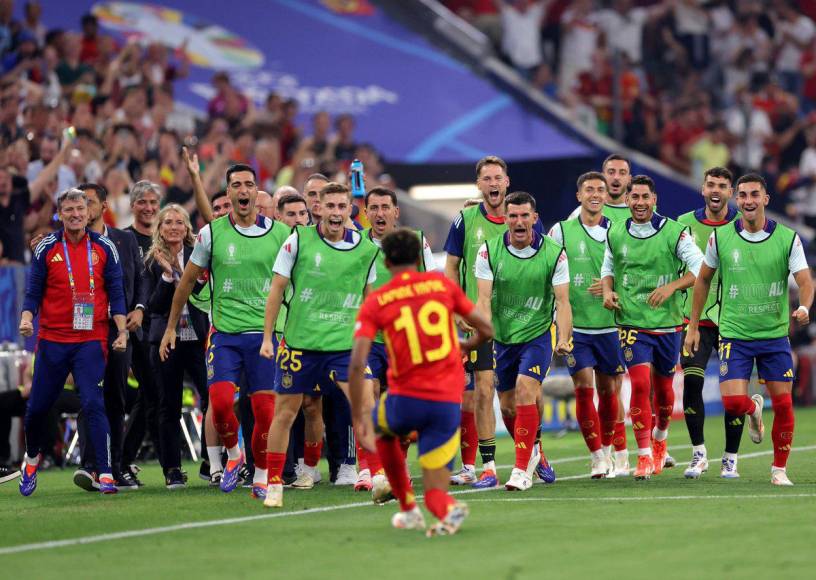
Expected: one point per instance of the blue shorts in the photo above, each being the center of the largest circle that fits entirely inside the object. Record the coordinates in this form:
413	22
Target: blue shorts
601	352
229	354
378	361
436	424
300	372
531	359
661	350
773	359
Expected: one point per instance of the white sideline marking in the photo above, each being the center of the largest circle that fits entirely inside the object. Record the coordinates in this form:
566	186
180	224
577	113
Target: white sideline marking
586	457
213	523
645	498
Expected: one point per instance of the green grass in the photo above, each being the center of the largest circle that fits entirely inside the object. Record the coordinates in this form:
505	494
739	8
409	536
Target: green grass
575	528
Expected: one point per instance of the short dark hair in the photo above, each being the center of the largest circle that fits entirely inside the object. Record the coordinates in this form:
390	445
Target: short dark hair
753	178
334	187
642	180
383	192
589	176
290	198
519	198
401	247
490	160
240	167
319	176
218	195
720	172
616	157
100	191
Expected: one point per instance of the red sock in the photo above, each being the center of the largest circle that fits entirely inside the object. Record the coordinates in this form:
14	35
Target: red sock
619	441
587	417
372	460
311	452
640	408
263	408
664	395
738	405
274	462
524	433
438	502
470	438
222	394
390	452
608	414
362	458
782	432
509	423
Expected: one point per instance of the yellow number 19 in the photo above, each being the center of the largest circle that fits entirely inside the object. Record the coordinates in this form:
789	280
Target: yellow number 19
440	328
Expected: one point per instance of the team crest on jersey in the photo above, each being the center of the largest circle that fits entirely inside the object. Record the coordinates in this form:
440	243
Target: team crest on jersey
210	372
318	259
231	251
723	368
570	360
582	247
479	234
628	354
624	251
286	381
94	258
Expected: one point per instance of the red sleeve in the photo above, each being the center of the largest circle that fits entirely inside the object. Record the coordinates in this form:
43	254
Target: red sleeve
367	324
461	303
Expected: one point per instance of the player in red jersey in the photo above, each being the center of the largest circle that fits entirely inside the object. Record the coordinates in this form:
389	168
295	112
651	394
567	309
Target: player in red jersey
425	379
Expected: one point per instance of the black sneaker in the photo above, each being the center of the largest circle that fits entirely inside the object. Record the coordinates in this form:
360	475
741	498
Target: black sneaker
86	479
174	479
8	474
132	472
215	478
288	480
183	474
204	471
125	481
245	476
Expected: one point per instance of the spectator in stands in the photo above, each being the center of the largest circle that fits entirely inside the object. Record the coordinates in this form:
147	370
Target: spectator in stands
793	32
521	33
344	144
750	127
49	147
579	39
710	149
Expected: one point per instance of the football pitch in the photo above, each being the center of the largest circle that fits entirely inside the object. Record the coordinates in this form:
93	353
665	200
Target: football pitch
668	527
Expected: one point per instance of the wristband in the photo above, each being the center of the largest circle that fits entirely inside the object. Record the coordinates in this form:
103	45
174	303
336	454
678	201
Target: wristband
803	308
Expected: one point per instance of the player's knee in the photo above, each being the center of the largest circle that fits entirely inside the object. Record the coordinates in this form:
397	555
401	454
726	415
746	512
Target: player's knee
312	407
735	405
222	394
263	408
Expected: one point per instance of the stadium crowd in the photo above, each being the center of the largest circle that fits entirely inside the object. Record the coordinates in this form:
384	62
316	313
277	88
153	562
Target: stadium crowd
150	241
701	82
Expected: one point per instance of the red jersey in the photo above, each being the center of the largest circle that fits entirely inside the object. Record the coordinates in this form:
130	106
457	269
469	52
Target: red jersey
415	312
49	294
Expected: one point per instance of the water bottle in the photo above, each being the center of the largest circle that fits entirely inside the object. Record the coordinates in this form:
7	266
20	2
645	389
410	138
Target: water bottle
357	183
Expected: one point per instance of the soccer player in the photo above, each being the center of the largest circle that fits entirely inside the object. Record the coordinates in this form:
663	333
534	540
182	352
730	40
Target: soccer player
521	275
311	191
75	278
640	281
618	173
472	227
596	356
236	249
754	257
330	268
716	213
382	210
425	379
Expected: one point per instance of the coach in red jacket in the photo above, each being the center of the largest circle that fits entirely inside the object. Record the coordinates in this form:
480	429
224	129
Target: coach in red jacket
75	282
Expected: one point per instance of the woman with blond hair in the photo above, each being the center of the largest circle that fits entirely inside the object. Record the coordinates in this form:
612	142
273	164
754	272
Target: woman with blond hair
172	245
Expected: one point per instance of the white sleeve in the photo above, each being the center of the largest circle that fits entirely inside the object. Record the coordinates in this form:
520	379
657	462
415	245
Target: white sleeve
797	260
689	253
203	248
575	213
372	273
556	234
561	274
427	256
607	268
286	257
482	266
712	260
